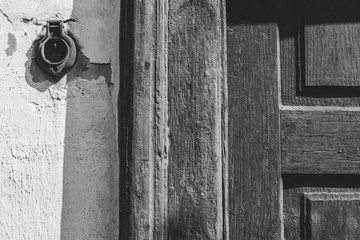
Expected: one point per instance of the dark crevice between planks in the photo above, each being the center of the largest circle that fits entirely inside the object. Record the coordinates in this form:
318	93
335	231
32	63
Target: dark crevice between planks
290	12
240	12
125	115
321	180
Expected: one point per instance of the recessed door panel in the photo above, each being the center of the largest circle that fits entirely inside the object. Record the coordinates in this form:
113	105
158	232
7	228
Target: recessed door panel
320	118
332	215
329	43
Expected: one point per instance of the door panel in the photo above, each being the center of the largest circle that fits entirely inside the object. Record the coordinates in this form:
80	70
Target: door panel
331	214
294	119
320	140
330	43
320	118
321	206
318	52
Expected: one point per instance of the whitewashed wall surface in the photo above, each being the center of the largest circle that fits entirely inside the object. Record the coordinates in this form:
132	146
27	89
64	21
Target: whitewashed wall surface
58	141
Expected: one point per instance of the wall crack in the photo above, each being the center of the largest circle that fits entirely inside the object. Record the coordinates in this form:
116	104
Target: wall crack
6	16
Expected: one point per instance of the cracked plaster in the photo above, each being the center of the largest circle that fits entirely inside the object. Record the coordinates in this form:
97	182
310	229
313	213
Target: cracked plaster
58	160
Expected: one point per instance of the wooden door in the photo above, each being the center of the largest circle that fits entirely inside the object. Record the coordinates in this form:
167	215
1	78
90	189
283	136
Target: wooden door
294	119
240	122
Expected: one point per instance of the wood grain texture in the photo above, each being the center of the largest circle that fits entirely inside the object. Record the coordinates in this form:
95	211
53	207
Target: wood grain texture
339	65
196	73
176	121
320	141
332	215
224	132
296	224
254	166
332	49
319	146
296	66
161	128
142	139
149	128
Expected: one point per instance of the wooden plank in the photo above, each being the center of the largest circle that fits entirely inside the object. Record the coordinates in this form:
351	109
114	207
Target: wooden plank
339	65
296	224
293	89
142	164
320	140
254	165
161	128
173	77
332	215
149	119
224	131
331	49
196	73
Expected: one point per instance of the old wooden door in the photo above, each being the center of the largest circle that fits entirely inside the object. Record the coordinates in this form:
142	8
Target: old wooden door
294	119
240	122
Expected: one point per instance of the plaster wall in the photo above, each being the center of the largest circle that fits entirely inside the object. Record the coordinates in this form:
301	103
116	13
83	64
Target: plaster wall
58	150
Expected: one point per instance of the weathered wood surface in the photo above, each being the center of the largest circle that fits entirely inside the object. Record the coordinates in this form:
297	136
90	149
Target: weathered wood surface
176	164
344	188
178	158
307	48
339	64
149	136
319	145
320	140
254	166
332	215
332	56
196	71
142	201
160	128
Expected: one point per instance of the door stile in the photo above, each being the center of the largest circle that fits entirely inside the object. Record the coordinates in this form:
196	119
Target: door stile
254	120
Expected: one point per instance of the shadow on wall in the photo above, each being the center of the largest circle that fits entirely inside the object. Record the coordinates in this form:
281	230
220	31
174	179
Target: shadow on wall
90	167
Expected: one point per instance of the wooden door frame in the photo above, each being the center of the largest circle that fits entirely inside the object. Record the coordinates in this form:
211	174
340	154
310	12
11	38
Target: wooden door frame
147	30
143	107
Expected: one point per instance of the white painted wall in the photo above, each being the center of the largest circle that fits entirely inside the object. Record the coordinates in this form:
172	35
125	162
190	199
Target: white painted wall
58	150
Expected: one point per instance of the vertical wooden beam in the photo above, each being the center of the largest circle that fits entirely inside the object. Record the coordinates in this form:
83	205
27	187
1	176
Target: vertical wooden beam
142	139
196	72
161	128
224	129
177	120
254	165
150	121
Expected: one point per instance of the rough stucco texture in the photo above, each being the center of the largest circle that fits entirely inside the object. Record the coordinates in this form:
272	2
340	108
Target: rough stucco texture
58	161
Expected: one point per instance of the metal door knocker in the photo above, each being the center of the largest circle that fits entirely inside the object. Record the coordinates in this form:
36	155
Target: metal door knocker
56	51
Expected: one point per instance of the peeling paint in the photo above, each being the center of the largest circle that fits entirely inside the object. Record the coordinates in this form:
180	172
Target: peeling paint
12	45
95	70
